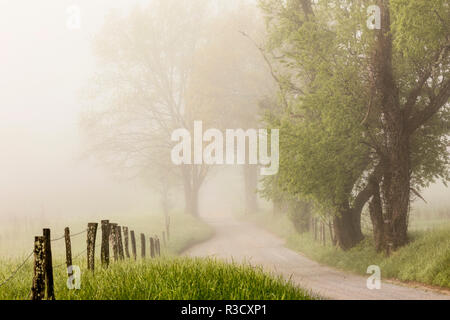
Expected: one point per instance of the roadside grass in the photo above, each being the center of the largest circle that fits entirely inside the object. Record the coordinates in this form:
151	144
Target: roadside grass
164	278
426	259
185	231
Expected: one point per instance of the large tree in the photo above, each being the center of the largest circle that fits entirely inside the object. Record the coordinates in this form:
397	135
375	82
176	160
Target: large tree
363	113
410	88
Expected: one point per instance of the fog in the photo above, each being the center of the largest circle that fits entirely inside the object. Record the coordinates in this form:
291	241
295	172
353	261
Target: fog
44	66
44	170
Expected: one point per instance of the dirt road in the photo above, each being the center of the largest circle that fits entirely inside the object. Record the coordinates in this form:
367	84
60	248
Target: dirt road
242	241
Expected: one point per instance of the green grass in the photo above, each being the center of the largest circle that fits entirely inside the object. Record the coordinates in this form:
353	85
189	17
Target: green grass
425	259
167	277
160	279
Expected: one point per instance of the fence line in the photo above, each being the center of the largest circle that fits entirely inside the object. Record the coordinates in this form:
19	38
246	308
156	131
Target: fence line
77	256
44	279
111	237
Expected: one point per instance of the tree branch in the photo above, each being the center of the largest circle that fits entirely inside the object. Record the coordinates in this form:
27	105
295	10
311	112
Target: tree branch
432	108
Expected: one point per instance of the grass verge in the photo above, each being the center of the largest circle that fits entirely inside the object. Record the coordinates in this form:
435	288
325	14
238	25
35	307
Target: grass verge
426	259
165	279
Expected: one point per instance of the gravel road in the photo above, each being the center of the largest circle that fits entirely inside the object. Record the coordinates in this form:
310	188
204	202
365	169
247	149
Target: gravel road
245	242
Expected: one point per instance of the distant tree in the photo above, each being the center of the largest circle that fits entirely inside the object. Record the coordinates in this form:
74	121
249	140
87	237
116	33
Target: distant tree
231	78
138	95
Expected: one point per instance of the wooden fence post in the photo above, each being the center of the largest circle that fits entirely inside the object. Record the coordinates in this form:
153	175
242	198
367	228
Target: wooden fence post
333	239
91	234
125	239
320	232
38	287
324	234
157	245
164	238
142	245
119	239
168	227
104	253
48	266
113	240
315	228
152	247
133	244
68	250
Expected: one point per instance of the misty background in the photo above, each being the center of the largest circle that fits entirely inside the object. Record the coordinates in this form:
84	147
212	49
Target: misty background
43	171
45	175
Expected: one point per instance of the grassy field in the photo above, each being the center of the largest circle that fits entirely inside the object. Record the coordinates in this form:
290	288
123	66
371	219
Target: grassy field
167	277
163	278
426	259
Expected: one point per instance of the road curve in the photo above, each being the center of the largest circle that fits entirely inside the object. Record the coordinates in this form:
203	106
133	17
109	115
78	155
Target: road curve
245	242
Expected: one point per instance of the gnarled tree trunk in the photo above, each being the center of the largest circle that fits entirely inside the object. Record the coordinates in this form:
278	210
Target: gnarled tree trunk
396	193
395	153
347	227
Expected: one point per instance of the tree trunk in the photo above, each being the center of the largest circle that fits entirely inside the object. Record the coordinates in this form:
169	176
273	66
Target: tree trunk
347	227
332	237
191	200
278	207
376	215
251	184
194	202
395	154
299	212
191	189
165	203
396	192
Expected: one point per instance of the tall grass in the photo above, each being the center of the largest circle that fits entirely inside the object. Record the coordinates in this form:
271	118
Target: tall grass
164	278
185	231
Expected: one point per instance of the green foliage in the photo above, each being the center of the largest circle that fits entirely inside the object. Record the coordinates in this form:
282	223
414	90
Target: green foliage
421	30
322	157
299	212
330	129
164	279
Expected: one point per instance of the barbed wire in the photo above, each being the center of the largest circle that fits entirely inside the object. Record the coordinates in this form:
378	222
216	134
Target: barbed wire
78	255
72	235
15	272
29	256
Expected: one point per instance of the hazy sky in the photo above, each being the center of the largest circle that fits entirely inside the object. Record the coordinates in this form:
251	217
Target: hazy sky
43	66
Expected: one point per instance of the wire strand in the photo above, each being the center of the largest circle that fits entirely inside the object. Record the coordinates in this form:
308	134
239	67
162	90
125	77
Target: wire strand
15	272
78	255
72	235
